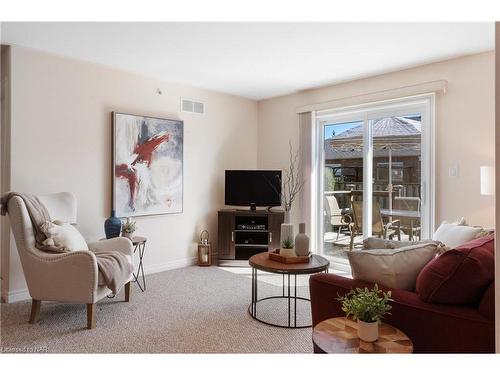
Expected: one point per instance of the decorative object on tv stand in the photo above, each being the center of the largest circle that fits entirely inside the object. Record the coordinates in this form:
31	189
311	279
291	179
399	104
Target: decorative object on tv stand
287	249
112	226
147	165
367	307
128	228
204	249
302	241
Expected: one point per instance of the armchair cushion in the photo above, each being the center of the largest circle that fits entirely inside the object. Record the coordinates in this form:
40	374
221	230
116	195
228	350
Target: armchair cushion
396	268
64	236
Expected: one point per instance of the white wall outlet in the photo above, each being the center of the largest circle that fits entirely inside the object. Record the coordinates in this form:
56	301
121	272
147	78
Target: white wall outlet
453	170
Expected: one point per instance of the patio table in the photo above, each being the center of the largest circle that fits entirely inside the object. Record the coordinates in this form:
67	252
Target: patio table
413	216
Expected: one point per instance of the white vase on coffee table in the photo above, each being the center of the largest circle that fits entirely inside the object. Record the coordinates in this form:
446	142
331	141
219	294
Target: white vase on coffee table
302	241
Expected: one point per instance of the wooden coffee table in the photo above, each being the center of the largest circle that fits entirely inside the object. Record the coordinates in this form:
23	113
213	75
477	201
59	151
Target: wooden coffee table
262	262
340	335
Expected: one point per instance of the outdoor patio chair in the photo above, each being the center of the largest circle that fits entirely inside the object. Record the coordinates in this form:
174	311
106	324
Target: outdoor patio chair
333	214
409	226
387	230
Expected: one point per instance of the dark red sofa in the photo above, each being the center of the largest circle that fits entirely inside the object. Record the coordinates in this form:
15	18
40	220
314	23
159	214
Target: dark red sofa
433	328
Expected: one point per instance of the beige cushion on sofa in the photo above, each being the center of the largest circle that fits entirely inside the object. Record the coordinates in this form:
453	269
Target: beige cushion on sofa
395	268
371	243
454	235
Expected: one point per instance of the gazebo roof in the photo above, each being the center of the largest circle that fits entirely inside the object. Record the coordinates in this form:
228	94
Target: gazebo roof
386	127
400	134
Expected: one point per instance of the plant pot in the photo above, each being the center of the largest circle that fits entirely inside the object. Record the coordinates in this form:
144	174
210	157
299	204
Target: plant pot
287	252
128	235
367	331
286	232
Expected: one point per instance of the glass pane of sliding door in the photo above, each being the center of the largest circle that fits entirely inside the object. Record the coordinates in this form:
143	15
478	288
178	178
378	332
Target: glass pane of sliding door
342	183
396	175
375	177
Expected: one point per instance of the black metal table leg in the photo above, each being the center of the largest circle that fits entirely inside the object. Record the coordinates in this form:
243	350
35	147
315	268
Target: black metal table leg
255	263
140	248
255	287
251	311
289	300
295	302
283	285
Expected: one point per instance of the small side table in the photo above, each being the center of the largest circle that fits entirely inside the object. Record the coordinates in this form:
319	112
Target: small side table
139	246
340	335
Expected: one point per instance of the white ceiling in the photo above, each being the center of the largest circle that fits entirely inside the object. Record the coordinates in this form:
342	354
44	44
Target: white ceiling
255	60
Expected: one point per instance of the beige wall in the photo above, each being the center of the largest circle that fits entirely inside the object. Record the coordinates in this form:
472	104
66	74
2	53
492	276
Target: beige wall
464	128
61	141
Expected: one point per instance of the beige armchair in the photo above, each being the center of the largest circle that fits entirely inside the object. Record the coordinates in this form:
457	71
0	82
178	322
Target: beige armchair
68	277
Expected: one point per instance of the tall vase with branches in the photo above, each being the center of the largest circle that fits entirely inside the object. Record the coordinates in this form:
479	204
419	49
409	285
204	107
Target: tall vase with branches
292	183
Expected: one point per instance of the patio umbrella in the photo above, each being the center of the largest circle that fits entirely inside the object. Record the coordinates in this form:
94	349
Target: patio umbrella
395	136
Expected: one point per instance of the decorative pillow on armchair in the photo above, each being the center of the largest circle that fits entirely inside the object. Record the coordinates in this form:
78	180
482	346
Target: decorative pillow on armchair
459	276
395	268
63	235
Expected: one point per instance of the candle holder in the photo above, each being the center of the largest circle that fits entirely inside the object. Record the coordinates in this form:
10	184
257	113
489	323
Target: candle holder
204	250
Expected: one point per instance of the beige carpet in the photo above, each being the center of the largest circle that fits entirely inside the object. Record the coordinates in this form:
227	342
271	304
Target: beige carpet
189	310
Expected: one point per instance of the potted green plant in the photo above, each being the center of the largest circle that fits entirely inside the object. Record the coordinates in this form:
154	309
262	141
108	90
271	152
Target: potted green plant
128	228
367	307
287	248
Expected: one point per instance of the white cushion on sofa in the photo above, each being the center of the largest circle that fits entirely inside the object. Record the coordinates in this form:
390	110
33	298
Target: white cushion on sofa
395	268
454	235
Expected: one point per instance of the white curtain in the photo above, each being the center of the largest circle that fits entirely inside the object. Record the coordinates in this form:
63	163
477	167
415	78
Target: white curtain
307	152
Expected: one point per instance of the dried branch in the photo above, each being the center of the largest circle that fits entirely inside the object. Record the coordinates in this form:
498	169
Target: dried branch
292	184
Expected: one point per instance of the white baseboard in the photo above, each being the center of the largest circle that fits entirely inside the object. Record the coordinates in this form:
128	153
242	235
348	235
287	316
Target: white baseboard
23	294
18	295
173	264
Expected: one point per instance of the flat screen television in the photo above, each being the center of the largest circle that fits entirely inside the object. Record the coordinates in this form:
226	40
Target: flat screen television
253	188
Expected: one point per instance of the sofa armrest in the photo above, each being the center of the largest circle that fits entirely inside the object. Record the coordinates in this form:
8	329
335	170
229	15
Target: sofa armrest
67	277
121	244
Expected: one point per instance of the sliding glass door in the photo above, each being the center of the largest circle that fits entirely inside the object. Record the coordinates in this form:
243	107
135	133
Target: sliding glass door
375	175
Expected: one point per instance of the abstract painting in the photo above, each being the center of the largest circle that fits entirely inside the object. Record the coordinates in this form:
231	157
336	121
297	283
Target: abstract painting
147	165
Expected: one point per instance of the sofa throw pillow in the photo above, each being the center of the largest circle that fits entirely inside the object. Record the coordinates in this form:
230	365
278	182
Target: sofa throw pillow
460	276
380	243
393	268
64	236
454	235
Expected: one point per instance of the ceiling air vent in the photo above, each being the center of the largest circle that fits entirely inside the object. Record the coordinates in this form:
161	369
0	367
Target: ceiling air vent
192	106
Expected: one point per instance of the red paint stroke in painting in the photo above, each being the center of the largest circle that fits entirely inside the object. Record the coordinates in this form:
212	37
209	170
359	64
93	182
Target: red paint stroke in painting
128	173
144	152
